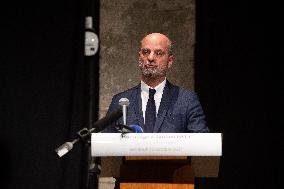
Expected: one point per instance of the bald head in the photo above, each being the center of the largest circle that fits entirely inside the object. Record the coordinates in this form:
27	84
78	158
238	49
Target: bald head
158	38
155	58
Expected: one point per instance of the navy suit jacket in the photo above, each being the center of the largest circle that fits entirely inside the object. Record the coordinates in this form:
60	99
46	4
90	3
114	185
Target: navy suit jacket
179	112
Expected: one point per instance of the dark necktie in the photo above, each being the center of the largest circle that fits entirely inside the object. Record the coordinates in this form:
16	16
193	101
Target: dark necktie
150	114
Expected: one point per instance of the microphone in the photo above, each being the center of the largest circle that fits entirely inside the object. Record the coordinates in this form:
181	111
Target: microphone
84	133
136	128
65	148
124	102
106	121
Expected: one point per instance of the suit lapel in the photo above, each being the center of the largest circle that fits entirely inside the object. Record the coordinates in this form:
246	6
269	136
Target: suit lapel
164	106
138	105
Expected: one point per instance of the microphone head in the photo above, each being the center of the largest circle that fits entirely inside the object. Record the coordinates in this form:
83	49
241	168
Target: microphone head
136	128
124	101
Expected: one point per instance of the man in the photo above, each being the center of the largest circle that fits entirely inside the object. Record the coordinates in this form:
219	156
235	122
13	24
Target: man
167	108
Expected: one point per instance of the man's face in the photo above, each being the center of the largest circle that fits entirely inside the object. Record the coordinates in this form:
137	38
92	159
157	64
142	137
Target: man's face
154	58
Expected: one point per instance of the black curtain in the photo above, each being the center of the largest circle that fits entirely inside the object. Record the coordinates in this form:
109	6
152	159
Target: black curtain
44	94
232	82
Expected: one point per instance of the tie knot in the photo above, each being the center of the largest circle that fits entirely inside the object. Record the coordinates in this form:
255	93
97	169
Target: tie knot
152	92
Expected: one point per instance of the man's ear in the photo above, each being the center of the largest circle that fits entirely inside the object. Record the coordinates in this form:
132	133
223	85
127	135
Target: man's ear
170	61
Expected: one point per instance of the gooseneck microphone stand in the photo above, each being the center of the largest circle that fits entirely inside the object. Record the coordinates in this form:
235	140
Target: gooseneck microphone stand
84	135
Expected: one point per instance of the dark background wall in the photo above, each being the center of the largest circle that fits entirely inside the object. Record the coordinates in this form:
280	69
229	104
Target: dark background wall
43	93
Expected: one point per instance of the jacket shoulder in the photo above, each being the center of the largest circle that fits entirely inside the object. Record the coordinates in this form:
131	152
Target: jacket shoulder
127	93
181	92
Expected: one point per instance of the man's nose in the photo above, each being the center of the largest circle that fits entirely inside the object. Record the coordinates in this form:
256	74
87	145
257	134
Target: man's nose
151	56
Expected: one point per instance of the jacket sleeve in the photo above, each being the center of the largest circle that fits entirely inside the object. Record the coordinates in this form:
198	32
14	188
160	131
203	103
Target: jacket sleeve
195	116
113	107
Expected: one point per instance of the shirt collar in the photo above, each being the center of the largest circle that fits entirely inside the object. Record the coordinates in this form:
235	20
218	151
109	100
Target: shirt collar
159	88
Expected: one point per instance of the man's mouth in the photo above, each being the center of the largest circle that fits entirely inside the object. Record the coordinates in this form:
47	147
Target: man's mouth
150	66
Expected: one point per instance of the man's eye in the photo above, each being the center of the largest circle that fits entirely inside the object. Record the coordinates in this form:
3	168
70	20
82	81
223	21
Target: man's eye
159	53
145	51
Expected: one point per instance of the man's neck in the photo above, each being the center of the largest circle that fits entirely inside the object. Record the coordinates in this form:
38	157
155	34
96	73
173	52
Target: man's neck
152	82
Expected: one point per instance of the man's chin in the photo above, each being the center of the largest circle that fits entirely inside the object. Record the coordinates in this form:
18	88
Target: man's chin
148	74
151	75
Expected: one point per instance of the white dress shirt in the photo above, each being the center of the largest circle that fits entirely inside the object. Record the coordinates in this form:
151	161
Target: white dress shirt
157	97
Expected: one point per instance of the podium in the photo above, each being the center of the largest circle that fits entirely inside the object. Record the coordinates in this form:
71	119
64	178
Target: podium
158	160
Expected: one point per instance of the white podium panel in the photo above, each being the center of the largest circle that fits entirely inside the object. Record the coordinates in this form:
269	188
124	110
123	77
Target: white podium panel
156	144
